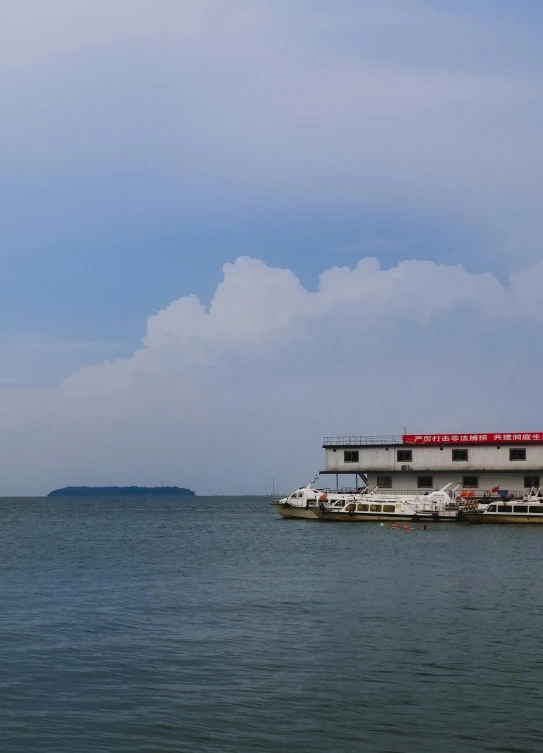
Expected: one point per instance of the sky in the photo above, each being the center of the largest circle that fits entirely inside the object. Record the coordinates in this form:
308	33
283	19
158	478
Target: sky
232	228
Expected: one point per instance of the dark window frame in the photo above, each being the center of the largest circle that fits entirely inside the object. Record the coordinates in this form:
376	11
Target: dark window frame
461	459
420	485
404	456
467	485
535	479
520	451
387	484
351	456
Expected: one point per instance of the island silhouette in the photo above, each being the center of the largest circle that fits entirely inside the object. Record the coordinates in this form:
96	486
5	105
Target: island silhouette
122	491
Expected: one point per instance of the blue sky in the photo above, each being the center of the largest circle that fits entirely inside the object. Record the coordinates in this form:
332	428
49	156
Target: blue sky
146	144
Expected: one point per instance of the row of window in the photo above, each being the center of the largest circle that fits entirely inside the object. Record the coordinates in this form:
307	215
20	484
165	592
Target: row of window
459	455
468	482
423	482
516	508
362	507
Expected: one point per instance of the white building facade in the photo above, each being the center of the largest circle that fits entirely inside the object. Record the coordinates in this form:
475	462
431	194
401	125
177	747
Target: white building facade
491	463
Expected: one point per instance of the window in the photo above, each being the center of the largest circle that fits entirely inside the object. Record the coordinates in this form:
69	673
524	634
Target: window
517	453
385	482
505	508
520	509
388	508
459	454
536	508
530	481
351	507
350	456
470	482
375	508
363	508
404	456
425	482
492	508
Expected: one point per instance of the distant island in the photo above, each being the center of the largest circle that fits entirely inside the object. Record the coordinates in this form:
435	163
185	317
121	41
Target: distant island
122	491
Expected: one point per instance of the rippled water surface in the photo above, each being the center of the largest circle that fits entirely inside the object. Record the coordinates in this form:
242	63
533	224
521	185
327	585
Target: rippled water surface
209	624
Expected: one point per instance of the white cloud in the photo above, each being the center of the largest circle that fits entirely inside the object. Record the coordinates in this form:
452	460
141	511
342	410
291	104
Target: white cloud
224	396
256	308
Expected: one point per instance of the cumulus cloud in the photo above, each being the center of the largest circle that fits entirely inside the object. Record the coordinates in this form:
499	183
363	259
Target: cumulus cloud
257	308
221	397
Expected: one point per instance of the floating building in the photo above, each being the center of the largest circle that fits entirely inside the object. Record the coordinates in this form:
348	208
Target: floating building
483	464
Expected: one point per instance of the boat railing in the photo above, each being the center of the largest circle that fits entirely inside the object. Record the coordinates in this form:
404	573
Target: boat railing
343	490
400	492
479	494
421	493
482	495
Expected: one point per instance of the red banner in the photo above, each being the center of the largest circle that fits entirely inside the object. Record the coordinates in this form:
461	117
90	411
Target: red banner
471	438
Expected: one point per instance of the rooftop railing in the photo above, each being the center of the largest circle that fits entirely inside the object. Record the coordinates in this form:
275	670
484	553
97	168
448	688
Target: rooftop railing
383	439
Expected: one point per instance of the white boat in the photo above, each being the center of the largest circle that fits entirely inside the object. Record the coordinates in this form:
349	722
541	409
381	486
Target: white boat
365	505
305	501
529	509
441	505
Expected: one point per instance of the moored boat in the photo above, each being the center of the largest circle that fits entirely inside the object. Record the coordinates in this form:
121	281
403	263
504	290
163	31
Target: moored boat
442	505
529	509
305	501
364	505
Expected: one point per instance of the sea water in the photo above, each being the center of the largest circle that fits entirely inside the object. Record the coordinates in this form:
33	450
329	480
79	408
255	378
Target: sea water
209	624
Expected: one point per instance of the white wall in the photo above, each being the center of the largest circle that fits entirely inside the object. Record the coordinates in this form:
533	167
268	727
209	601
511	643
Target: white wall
489	457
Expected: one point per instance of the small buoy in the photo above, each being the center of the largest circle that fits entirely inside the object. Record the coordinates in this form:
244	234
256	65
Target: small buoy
394	525
405	528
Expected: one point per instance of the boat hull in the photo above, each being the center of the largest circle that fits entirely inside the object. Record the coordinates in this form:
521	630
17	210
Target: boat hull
478	518
303	513
313	513
360	517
